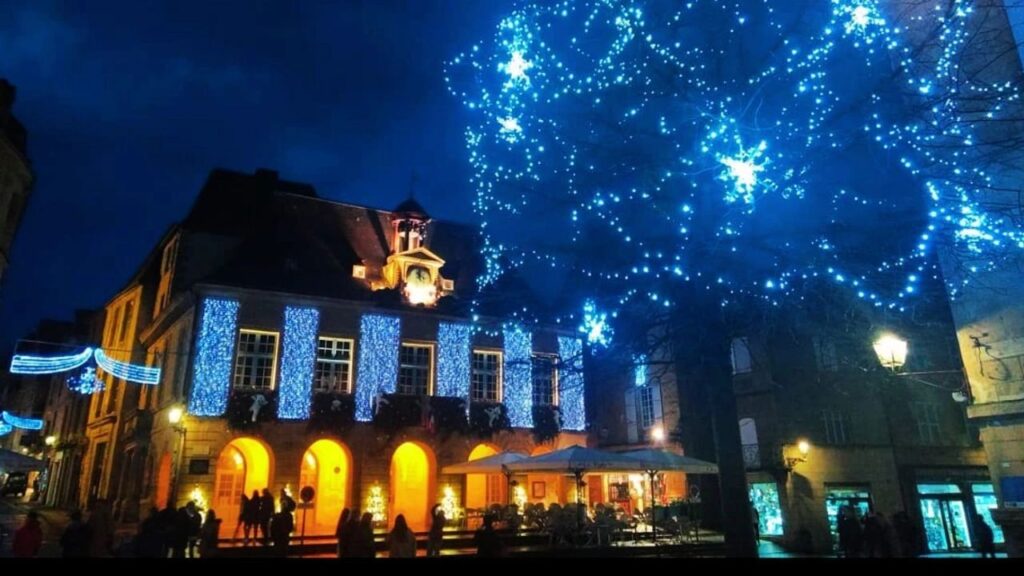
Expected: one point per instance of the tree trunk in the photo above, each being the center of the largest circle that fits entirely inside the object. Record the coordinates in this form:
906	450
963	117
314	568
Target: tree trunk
710	426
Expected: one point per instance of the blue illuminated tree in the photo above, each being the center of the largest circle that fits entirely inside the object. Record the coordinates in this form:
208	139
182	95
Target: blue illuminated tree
694	154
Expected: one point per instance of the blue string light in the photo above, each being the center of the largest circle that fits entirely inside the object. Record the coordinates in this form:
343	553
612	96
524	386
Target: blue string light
570	384
5	429
787	131
379	341
125	371
298	360
518	375
19	422
454	358
211	373
86	382
25	364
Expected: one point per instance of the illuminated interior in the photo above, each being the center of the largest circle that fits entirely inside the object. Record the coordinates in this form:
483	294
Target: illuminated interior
163	482
244	465
412	479
482	490
547	488
326	466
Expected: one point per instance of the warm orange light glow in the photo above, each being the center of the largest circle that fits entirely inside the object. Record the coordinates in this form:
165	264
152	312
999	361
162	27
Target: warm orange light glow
244	465
326	467
476	484
412	479
163	482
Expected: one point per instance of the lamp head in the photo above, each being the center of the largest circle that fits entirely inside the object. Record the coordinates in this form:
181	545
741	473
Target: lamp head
891	351
175	414
658	434
50	440
804	447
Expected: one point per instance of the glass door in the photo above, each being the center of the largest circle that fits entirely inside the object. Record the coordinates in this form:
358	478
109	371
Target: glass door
945	524
837	498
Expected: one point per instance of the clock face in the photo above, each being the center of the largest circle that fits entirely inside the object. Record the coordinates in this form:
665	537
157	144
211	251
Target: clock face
418	275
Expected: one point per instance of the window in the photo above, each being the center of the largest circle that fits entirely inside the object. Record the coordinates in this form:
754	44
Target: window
170	252
486	381
333	366
645	407
545	381
835	427
129	310
765	498
825	354
741	356
926	416
256	360
414	369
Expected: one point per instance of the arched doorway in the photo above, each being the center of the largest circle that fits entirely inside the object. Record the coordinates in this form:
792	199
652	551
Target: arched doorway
482	490
326	466
163	481
412	484
244	466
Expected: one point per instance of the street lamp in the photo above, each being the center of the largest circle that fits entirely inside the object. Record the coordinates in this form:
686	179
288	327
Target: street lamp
175	416
891	351
658	434
803	447
50	440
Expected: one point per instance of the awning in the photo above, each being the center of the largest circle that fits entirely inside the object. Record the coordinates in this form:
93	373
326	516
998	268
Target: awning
490	465
14	462
577	460
665	461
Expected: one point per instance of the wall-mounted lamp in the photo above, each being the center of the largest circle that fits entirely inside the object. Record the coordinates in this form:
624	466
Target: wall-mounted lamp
803	447
50	440
658	434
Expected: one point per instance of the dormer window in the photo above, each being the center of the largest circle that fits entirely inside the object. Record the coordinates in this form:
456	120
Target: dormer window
408	236
359	271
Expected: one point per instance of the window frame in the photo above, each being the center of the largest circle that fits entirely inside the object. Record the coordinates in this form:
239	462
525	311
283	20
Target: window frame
273	365
642	393
732	356
933	423
554	361
347	389
499	373
432	360
835	420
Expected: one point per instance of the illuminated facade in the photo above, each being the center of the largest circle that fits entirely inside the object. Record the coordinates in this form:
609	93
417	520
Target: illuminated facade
320	344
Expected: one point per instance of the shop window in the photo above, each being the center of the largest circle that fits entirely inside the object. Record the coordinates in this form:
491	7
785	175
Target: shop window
764	496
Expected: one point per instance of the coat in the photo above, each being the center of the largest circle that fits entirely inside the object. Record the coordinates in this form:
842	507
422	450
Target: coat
27	540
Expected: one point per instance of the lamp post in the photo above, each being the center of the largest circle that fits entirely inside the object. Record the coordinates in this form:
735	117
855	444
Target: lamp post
658	436
175	416
803	447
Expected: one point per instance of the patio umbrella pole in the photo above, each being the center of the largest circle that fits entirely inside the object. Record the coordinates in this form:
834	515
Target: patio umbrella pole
654	521
578	473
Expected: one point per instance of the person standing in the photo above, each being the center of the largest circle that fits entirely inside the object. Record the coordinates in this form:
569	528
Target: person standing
209	536
436	537
101	531
488	543
74	542
149	541
850	535
984	538
281	526
29	538
250	517
266	512
344	532
401	540
755	517
362	544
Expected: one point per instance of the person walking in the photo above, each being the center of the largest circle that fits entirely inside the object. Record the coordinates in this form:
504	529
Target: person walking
401	540
984	538
74	542
850	534
436	537
209	536
755	517
149	541
906	533
344	532
29	538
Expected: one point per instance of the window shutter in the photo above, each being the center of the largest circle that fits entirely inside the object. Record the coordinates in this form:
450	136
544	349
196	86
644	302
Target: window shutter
631	432
659	417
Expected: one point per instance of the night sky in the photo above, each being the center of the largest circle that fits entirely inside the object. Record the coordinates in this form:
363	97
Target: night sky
129	105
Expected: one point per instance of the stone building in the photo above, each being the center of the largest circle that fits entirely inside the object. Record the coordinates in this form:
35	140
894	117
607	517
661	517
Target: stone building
15	172
315	343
